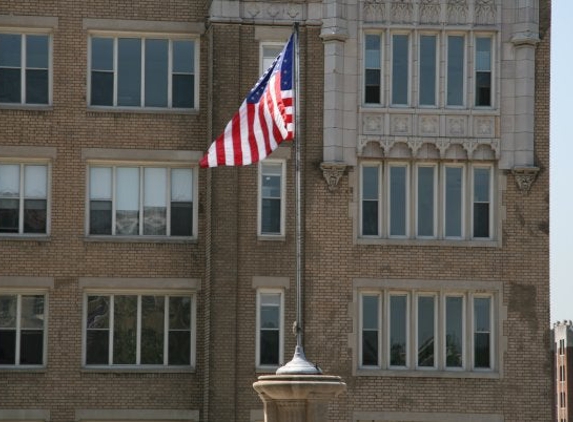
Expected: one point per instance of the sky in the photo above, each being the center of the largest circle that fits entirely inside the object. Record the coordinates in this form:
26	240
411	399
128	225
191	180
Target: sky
561	178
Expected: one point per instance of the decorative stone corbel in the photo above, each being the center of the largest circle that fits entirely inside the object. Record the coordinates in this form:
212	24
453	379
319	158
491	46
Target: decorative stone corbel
332	173
524	177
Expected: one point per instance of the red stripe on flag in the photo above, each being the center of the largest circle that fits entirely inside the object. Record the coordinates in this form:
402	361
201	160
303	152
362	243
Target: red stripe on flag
251	129
236	137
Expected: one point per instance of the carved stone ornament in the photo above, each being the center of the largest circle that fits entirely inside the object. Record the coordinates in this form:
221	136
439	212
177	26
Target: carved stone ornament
374	10
332	173
430	11
524	177
402	11
485	11
457	11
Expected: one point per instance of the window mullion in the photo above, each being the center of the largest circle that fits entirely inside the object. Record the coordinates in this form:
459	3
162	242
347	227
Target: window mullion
141	193
23	65
168	203
113	198
18	328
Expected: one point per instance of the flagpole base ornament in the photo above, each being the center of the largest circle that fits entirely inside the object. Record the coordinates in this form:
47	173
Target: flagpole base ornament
299	365
332	173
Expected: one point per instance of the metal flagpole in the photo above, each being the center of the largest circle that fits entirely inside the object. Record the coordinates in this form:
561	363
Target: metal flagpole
299	364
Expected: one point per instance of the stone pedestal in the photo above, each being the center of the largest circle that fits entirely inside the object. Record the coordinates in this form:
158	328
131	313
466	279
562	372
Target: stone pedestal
297	398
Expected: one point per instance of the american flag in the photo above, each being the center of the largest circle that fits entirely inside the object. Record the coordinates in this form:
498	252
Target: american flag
263	121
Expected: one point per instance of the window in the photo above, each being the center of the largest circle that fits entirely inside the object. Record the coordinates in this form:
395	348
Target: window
373	69
141	200
400	69
455	71
428	70
385	340
271	197
269	52
139	329
22	329
386	197
269	328
25	69
23	198
143	72
483	71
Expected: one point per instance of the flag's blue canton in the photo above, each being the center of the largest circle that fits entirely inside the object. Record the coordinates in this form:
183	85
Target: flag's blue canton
283	64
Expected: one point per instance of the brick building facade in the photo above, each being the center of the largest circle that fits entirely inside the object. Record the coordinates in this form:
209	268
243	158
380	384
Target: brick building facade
563	369
425	141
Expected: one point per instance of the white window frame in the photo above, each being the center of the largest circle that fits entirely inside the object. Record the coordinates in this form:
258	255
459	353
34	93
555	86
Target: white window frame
464	35
261	292
139	293
24	33
493	73
22	164
380	170
262	58
115	36
409	78
281	234
381	67
440	367
141	167
443	213
421	34
28	292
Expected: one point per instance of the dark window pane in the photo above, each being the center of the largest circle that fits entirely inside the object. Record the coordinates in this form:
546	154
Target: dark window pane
428	70
37	51
400	71
454	331
10	86
481	219
9	216
102	54
36	86
35	216
98	312
426	201
370	218
372	89
453	202
182	219
100	217
180	312
426	334
269	352
370	348
10	50
102	88
398	201
398	338
129	72
7	347
482	355
152	329
271	216
8	305
455	87
97	347
270	317
183	56
483	89
179	348
156	68
31	347
124	329
183	91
